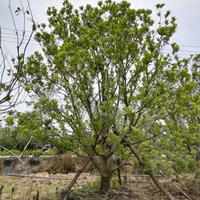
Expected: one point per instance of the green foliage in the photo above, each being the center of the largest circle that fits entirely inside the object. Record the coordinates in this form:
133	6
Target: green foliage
37	152
59	164
91	186
10	120
20	127
6	153
113	81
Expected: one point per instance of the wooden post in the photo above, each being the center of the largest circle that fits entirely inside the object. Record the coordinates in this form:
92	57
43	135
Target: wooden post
12	192
36	196
1	189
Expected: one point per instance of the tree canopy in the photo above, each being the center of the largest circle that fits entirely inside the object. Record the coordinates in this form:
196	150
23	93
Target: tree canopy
114	86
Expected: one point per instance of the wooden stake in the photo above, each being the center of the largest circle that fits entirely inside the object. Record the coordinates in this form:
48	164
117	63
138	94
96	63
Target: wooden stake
12	192
1	189
37	196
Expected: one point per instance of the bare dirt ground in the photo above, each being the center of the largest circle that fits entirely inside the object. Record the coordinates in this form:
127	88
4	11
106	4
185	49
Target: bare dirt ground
25	188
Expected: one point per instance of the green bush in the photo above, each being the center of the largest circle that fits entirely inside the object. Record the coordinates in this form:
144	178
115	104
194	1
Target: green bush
50	152
6	153
37	152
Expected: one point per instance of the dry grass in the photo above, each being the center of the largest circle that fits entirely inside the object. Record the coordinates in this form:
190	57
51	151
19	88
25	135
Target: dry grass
25	187
62	164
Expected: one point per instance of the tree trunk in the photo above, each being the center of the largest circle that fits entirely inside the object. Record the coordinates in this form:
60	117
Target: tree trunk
104	166
105	183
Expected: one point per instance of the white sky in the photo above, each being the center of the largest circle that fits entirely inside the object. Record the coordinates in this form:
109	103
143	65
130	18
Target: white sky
187	13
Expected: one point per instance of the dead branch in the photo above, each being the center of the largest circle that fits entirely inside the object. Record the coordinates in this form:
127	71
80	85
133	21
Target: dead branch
181	191
161	188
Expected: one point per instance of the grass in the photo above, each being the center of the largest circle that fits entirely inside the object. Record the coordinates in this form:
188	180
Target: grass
26	187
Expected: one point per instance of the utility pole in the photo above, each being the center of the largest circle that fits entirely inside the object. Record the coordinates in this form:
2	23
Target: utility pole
0	37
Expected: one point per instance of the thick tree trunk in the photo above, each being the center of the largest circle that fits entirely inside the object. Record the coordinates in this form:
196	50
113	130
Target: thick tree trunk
104	166
105	183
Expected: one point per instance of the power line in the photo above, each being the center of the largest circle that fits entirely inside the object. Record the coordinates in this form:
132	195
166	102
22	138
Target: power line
12	34
13	42
11	37
166	51
0	37
12	29
15	38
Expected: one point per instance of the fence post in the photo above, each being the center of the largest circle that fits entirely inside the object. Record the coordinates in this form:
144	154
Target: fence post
36	196
1	189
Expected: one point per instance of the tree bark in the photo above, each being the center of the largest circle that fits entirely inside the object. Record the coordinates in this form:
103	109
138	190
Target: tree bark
104	166
105	183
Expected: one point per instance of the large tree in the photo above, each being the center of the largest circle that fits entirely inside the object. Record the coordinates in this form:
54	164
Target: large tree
114	85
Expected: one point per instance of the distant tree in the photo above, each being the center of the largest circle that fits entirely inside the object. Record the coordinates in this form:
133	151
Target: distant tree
116	88
20	127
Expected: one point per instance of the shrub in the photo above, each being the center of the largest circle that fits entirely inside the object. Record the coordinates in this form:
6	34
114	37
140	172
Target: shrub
49	152
10	162
34	161
6	153
60	164
91	185
37	152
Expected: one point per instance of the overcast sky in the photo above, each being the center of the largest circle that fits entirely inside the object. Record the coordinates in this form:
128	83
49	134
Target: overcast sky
187	13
